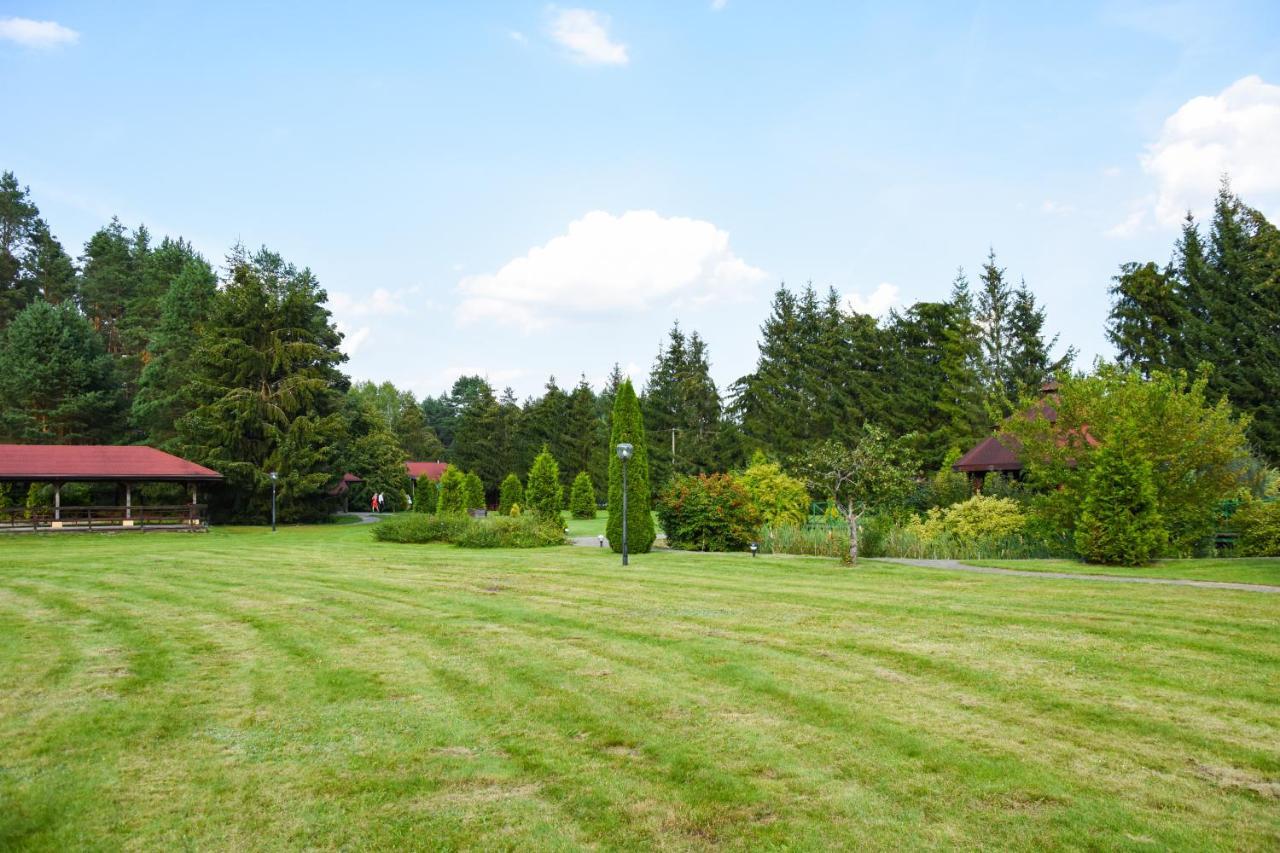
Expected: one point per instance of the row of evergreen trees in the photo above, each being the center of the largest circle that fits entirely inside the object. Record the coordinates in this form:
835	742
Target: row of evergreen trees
1216	302
239	368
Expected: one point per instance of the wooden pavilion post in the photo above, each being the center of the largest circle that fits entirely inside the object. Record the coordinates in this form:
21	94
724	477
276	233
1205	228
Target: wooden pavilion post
57	504
128	504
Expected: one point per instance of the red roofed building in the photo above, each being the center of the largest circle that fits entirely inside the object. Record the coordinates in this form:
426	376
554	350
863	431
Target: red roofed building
59	464
433	470
1001	453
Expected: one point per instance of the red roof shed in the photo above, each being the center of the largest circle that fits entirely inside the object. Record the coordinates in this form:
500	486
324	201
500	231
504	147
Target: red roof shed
88	462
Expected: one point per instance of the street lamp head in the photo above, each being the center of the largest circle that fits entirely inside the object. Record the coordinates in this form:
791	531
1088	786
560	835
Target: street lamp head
274	475
625	451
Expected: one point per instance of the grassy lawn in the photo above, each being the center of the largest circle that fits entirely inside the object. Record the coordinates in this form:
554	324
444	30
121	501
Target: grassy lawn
1263	570
317	689
594	526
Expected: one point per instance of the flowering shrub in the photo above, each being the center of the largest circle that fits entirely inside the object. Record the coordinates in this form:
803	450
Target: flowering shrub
711	512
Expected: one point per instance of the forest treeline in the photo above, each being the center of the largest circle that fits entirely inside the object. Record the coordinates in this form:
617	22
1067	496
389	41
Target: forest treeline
239	366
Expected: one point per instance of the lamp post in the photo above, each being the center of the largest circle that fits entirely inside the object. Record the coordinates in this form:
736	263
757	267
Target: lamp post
624	453
274	477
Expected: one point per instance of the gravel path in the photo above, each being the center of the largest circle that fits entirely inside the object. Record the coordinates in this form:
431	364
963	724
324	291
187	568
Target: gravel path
365	517
957	566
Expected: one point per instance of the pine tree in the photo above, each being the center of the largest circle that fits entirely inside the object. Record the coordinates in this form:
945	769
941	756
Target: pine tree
163	388
582	500
628	428
18	220
473	491
57	385
544	493
416	437
452	487
109	274
1119	520
51	274
512	494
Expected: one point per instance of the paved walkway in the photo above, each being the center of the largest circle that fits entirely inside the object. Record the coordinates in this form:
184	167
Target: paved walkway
957	566
365	517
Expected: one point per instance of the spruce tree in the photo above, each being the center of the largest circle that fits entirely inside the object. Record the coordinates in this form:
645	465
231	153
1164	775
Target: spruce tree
1146	317
544	493
1029	361
628	428
582	500
511	494
993	315
267	391
1119	520
57	385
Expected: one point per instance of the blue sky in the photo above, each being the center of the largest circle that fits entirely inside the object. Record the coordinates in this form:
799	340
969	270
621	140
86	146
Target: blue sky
520	189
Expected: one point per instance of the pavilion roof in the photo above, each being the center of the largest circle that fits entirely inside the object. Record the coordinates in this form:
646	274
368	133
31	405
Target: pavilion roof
83	462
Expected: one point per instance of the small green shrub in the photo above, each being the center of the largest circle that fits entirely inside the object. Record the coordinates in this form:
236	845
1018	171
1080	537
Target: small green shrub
1119	522
710	512
582	498
509	532
510	494
466	532
418	528
1259	526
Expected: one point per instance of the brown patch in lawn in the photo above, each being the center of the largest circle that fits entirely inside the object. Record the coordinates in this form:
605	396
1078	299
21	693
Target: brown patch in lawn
1241	780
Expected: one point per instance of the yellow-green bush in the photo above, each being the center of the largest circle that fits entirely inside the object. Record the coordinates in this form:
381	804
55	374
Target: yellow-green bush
778	499
977	519
1259	526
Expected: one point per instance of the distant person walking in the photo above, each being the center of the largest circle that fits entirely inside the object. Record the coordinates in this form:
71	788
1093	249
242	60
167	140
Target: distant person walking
382	502
373	502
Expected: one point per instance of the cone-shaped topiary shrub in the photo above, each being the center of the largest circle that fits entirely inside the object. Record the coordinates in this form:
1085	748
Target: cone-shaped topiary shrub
628	427
511	494
544	495
473	491
582	498
453	499
1119	523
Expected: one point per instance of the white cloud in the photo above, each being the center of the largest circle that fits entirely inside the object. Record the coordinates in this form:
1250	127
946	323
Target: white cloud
1052	207
717	5
1131	224
584	34
352	339
1236	132
885	297
38	34
380	303
604	265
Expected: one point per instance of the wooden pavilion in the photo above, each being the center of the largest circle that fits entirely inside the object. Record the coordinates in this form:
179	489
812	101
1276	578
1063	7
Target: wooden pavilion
126	466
